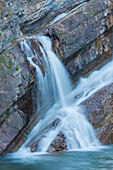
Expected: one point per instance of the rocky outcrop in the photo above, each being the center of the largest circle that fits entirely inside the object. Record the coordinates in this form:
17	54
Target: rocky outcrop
15	77
17	97
83	39
99	110
9	128
59	144
80	28
91	57
28	16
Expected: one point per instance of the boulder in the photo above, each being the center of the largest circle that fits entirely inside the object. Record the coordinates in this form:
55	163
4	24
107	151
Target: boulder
59	144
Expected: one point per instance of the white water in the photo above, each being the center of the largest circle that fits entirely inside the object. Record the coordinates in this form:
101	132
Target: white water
70	118
69	114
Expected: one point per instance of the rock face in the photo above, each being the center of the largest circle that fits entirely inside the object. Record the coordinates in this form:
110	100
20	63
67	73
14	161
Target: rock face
91	57
15	121
81	27
28	16
15	77
17	85
83	39
99	110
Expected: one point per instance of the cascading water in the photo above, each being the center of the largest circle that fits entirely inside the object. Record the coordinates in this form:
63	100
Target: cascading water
67	115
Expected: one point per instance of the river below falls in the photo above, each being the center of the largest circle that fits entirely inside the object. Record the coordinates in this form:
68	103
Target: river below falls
72	160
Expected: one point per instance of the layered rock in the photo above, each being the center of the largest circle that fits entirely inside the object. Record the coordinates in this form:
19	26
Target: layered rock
17	97
81	27
9	128
83	39
15	77
99	110
91	57
28	16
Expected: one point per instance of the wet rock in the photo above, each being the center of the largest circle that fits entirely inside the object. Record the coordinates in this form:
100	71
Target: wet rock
100	113
59	144
34	145
51	149
34	148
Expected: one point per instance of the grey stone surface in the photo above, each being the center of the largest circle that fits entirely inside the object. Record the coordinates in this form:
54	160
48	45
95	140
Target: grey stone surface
80	28
28	16
99	110
15	80
10	127
97	52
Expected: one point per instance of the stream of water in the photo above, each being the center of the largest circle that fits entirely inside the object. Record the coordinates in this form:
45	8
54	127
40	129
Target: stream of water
78	131
54	81
84	149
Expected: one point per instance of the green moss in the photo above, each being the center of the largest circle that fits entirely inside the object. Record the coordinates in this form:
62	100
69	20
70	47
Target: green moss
8	114
91	12
60	33
11	63
7	104
1	116
13	40
17	68
80	9
9	68
6	55
94	1
2	60
82	49
99	46
6	76
3	71
0	37
66	37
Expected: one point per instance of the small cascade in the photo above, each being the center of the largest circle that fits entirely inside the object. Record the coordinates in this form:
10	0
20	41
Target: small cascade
65	115
96	81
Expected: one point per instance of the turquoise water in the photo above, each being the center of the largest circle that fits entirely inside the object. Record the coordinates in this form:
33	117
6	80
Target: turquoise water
98	159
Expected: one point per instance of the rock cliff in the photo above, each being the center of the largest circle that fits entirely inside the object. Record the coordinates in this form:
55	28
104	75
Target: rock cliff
17	84
28	16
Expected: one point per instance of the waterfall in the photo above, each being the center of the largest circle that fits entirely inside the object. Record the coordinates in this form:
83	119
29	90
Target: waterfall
67	114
